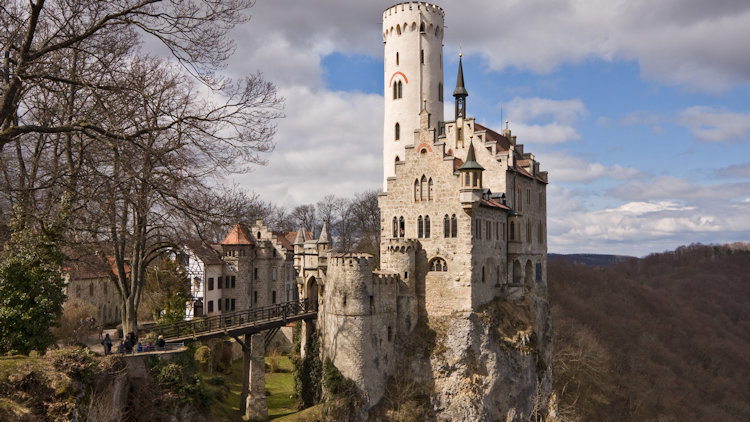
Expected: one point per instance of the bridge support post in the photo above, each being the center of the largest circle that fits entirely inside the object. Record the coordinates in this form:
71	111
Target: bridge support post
254	376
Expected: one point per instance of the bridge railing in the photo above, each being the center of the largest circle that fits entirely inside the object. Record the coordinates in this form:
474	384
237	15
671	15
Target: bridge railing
236	319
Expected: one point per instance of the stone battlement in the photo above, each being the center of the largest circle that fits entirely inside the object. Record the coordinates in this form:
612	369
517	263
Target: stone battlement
413	6
350	262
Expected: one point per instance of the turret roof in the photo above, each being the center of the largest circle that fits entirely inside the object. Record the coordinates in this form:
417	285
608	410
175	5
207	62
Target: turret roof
460	90
471	161
239	235
323	234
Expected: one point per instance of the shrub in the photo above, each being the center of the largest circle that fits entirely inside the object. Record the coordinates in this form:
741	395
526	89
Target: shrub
76	362
274	360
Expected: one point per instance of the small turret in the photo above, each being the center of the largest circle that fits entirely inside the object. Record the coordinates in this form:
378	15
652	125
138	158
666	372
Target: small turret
323	239
471	177
299	249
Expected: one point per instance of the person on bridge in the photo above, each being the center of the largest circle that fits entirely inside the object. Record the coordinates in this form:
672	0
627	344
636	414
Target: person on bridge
107	343
160	343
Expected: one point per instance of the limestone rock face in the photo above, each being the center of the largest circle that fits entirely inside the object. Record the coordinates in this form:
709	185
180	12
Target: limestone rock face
491	365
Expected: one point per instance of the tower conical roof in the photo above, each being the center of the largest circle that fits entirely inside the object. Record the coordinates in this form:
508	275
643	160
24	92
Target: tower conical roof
471	160
300	239
239	235
323	234
460	90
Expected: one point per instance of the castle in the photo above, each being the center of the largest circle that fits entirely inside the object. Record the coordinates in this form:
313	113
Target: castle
463	218
463	229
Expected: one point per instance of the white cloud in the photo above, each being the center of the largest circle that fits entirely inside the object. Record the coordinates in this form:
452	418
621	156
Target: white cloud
543	120
329	143
566	168
691	43
716	125
669	187
563	111
740	171
637	228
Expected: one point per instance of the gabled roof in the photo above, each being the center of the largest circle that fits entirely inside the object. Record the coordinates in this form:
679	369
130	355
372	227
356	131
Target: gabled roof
502	143
239	235
206	253
286	239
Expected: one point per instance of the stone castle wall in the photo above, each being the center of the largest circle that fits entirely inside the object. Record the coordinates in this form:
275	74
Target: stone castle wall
357	318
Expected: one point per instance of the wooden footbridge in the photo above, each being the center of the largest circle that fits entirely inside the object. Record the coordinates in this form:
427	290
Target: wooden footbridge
235	324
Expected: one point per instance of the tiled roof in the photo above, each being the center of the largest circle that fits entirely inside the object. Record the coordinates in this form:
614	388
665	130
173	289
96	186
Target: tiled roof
87	268
292	236
239	235
457	162
503	143
492	203
207	253
284	239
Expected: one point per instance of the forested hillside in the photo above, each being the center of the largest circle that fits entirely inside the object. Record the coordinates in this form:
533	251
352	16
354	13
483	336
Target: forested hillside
663	338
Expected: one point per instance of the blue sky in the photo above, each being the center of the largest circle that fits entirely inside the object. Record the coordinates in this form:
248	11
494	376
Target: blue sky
638	110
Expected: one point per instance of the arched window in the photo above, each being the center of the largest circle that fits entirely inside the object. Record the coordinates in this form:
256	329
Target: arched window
438	264
446	226
416	190
429	190
512	231
401	227
398	29
454	225
483	275
421	28
419	227
421	56
395	227
397	58
422	187
400	86
397	132
440	92
395	90
426	226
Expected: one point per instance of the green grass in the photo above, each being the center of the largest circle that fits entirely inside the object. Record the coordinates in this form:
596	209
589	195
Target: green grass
280	385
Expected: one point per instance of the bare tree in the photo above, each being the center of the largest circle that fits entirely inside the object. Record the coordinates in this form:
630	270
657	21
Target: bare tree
36	34
142	190
305	217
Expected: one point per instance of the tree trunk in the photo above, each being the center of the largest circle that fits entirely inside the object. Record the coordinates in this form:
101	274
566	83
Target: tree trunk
129	318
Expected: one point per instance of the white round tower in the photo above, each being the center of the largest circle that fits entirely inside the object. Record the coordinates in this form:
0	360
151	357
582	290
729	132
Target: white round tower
413	65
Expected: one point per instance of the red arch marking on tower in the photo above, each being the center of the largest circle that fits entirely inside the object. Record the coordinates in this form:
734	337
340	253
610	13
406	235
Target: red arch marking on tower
419	148
394	75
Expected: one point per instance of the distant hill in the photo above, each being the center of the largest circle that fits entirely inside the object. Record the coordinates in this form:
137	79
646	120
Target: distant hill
662	338
592	259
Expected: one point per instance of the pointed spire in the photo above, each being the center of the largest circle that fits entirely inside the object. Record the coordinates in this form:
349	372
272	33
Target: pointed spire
323	234
471	160
300	239
460	90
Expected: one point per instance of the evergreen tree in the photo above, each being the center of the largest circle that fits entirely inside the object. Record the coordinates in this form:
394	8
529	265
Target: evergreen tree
31	288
